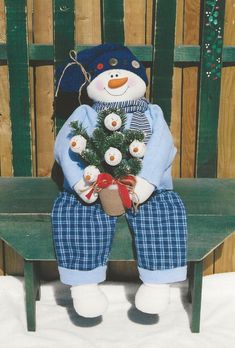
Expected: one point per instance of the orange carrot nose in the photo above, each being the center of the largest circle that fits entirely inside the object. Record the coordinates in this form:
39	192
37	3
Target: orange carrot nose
116	83
74	143
112	158
88	177
114	123
135	149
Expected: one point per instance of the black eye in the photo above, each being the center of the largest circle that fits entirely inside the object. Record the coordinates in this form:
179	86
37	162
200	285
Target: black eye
116	75
111	75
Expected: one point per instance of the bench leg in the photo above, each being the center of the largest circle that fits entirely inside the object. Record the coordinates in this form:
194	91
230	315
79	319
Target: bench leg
196	295
190	282
32	292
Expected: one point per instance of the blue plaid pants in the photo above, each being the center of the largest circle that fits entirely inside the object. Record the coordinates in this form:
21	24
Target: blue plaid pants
83	236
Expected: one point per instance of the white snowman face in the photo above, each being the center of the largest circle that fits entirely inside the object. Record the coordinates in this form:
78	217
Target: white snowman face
116	85
137	149
78	144
113	156
113	121
90	174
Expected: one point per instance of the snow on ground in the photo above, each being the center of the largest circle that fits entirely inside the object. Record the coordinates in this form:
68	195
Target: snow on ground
58	326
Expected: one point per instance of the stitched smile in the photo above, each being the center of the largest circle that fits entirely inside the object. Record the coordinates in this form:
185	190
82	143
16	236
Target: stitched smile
117	95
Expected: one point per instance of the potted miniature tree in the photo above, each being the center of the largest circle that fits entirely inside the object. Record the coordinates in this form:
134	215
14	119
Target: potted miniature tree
113	155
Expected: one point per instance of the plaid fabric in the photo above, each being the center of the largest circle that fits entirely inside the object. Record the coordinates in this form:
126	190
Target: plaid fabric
83	234
160	232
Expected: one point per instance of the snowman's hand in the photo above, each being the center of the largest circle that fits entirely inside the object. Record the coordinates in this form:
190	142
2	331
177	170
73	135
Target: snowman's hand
82	189
142	191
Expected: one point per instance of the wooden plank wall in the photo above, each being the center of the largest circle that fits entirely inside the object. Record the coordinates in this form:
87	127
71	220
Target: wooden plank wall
138	30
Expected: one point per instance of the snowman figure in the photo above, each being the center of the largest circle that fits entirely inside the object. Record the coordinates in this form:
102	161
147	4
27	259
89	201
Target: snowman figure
78	144
113	156
137	148
116	79
113	122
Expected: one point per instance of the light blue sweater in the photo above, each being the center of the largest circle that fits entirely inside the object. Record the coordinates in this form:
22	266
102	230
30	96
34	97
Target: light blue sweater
157	161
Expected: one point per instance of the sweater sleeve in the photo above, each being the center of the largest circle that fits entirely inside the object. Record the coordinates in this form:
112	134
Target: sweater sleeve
69	161
160	150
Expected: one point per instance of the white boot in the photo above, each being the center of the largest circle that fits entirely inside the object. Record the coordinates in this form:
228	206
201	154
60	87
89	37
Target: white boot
88	300
152	298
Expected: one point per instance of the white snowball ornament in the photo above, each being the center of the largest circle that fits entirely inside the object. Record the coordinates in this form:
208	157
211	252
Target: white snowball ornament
137	148
78	144
113	156
113	122
90	174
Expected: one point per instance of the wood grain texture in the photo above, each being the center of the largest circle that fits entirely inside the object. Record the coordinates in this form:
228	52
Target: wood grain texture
5	122
135	34
208	264
176	103
189	96
87	22
225	255
44	92
13	262
226	139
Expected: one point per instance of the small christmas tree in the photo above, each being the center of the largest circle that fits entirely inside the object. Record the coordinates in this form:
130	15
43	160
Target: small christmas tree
111	148
113	155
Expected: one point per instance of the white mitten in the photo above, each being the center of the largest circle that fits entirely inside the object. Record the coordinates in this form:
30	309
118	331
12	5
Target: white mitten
88	300
143	190
82	188
152	298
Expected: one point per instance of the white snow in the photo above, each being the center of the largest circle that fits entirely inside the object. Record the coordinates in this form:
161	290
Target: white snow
122	326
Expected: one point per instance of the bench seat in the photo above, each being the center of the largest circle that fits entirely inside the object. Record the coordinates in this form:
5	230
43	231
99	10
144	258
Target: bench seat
25	225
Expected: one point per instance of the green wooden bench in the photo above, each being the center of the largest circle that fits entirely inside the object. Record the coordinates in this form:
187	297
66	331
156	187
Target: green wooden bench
25	206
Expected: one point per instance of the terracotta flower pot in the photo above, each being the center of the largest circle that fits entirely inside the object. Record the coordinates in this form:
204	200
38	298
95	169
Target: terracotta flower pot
111	201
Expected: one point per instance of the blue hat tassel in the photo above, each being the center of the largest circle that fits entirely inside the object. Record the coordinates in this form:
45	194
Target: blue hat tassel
87	76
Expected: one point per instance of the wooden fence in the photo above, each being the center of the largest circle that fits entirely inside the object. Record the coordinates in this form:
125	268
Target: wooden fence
35	35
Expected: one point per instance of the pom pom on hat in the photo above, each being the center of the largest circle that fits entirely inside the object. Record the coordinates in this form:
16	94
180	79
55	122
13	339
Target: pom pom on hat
96	60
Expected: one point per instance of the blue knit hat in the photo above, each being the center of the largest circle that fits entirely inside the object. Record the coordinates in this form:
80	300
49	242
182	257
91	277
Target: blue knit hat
96	60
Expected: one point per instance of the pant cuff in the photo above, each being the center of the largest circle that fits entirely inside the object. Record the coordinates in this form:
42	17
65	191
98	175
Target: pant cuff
163	276
76	277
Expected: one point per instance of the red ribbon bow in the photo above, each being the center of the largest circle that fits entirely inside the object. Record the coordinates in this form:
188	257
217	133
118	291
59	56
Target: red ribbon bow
125	185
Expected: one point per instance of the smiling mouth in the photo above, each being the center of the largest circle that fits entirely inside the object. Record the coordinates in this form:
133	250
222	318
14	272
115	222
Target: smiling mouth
116	95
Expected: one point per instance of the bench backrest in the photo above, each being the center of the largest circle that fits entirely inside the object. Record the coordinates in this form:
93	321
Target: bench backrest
36	195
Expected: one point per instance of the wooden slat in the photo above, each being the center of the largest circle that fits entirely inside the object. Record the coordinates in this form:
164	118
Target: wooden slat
5	122
225	257
43	33
182	53
210	78
30	16
177	92
163	55
190	86
19	86
208	264
112	21
134	34
63	36
13	262
148	38
87	22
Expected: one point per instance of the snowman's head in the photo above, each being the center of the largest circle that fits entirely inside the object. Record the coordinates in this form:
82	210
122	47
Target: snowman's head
111	72
116	85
